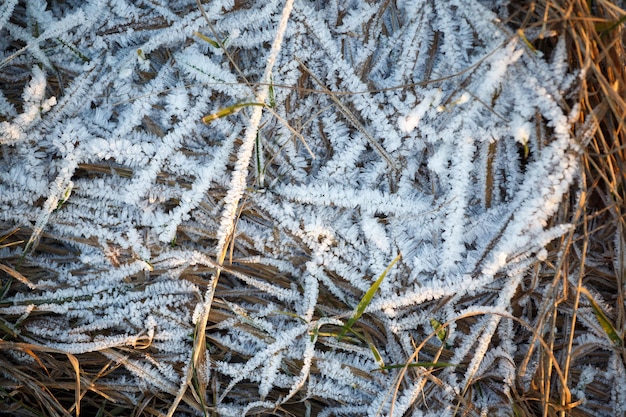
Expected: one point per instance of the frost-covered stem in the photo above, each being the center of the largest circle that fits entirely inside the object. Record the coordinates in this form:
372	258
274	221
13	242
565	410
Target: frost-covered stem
60	186
235	192
238	181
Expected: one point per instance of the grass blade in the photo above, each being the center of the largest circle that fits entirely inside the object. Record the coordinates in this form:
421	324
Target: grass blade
348	114
5	237
442	333
367	298
14	274
227	111
416	364
210	41
604	321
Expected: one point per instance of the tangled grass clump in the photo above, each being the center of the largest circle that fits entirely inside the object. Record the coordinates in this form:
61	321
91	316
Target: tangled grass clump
236	208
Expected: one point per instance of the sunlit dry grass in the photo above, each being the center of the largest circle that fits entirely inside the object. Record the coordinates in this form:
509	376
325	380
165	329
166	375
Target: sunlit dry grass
592	256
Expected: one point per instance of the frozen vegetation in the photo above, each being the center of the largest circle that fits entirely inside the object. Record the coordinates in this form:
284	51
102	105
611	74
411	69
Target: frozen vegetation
338	135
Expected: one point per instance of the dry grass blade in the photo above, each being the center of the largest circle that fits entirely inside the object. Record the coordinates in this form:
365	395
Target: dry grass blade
461	398
155	380
348	114
21	278
227	111
30	350
8	235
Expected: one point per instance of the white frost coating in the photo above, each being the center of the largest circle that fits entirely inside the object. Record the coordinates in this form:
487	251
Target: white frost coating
238	181
35	103
375	233
409	122
520	129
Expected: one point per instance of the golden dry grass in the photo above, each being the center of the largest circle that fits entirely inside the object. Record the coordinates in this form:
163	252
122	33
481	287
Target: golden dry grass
592	256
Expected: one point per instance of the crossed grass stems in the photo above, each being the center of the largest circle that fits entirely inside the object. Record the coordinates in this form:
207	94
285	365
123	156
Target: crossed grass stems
593	34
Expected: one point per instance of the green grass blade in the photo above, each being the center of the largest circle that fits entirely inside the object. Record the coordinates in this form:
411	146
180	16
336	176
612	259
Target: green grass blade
377	356
522	36
367	298
272	94
604	321
66	195
75	50
314	333
7	329
210	41
604	28
442	333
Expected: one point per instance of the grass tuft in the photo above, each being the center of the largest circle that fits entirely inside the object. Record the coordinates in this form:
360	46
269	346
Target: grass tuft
577	291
